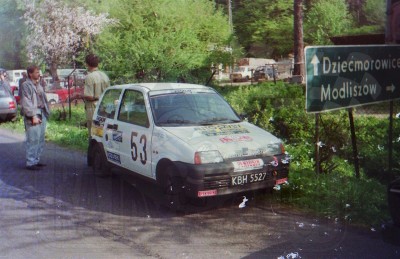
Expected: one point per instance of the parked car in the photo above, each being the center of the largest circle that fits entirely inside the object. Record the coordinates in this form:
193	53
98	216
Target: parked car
394	201
52	98
185	138
8	105
62	92
265	73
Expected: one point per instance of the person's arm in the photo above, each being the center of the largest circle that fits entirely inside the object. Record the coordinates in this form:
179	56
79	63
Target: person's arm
28	108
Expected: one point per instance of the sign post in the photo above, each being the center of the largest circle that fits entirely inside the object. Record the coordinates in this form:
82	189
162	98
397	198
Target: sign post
340	77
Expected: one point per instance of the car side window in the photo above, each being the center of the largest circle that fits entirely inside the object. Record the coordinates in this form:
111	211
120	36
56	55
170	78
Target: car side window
109	103
133	109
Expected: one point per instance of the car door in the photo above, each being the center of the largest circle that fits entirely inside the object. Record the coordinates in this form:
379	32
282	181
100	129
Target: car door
134	133
106	120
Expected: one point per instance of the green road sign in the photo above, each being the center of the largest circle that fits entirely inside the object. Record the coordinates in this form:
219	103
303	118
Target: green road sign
346	76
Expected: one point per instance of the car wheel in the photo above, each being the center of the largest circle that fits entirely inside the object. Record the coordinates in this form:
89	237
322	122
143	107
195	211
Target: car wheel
52	102
100	165
174	189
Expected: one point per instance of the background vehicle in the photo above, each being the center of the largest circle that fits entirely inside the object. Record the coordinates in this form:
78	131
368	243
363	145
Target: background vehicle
186	138
265	73
62	92
8	105
246	67
52	98
15	75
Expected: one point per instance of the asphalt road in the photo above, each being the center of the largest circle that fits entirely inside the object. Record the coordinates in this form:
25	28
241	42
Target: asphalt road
63	211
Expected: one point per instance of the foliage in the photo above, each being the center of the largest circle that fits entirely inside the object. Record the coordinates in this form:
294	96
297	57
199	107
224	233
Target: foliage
160	40
58	31
12	32
338	196
320	18
336	192
375	12
67	132
270	26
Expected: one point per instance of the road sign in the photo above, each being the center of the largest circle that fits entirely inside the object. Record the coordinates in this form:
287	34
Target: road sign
345	76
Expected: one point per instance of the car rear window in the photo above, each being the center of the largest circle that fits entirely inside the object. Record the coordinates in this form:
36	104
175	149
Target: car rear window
3	91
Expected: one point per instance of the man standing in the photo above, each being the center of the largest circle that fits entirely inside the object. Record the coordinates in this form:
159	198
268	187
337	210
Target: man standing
95	83
20	82
35	109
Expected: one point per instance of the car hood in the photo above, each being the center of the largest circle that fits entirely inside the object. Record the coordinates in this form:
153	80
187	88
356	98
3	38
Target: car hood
231	140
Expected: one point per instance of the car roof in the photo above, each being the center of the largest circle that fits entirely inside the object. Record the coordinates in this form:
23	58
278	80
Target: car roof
163	86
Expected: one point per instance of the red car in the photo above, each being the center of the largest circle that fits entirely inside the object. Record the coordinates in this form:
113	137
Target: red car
63	92
14	91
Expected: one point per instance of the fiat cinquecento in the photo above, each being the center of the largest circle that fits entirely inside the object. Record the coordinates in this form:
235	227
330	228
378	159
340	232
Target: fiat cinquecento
186	138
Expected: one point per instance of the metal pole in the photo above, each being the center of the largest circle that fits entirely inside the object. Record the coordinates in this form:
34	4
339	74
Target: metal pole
317	162
69	97
354	143
390	144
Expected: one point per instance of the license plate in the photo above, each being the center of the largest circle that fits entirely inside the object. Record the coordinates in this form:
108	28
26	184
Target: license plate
248	178
281	181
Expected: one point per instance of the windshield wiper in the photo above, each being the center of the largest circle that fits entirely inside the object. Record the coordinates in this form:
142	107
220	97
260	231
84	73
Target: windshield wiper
218	119
177	121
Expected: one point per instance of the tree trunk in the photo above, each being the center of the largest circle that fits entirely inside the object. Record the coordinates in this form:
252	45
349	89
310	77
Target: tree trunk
298	39
53	71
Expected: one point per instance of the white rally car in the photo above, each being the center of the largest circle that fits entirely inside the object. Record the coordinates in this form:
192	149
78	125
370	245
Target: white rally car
184	137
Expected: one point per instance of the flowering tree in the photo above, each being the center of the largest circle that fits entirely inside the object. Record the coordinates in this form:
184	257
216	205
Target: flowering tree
58	31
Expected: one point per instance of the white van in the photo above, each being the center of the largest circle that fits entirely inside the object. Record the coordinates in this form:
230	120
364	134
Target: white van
15	75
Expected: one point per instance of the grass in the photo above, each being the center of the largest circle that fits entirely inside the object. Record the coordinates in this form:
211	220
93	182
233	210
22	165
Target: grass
68	133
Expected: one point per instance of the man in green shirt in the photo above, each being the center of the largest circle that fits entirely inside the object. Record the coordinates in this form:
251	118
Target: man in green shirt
95	83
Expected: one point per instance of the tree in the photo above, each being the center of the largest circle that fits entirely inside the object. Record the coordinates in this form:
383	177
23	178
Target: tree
264	24
298	38
375	12
58	31
326	18
162	40
12	30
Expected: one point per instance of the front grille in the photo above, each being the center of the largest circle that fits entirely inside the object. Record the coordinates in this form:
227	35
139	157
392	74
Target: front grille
216	182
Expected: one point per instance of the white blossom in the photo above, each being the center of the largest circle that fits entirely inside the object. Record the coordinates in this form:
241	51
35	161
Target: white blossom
57	31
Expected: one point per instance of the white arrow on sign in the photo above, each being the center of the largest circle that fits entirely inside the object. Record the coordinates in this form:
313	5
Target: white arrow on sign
315	62
390	88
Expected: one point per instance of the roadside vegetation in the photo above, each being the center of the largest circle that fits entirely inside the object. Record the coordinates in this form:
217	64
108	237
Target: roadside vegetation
335	192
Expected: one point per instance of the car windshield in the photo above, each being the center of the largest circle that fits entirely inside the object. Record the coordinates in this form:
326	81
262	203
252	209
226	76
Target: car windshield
182	109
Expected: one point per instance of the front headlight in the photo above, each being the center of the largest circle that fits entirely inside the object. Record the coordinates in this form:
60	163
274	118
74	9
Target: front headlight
207	157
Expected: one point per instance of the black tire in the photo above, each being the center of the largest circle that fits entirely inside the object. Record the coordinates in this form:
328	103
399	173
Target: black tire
173	189
52	102
101	167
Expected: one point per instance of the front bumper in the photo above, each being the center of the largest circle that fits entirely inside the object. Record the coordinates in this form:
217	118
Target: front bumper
221	178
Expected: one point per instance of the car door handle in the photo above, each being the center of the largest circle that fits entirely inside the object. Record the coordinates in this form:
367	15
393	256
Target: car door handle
112	126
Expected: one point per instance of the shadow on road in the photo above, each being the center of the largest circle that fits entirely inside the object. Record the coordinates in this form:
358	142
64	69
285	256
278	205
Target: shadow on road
66	182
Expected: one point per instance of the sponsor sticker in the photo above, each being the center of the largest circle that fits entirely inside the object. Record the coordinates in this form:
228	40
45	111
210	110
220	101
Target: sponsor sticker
233	139
117	136
224	129
247	165
206	193
114	157
97	131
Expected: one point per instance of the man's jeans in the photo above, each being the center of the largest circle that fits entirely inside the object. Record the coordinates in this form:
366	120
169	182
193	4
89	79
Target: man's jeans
34	140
